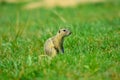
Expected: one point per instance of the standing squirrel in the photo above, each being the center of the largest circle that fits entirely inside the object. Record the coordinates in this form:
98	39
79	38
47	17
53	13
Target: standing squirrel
54	45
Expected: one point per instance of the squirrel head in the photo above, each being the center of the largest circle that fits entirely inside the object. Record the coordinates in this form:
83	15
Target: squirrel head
64	32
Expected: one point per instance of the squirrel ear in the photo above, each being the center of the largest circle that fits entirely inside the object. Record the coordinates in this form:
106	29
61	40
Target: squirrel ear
59	31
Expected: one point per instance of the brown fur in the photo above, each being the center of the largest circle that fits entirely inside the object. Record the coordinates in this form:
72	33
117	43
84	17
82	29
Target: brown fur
54	45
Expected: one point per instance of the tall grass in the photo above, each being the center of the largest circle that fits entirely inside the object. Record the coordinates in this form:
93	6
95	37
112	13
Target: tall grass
91	52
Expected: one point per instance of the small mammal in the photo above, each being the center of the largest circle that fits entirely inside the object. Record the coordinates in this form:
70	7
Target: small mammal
54	45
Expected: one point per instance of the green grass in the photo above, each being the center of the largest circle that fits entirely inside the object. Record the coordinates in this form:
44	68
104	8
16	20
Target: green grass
92	52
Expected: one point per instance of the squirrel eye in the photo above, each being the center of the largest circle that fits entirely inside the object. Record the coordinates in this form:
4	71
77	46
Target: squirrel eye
64	30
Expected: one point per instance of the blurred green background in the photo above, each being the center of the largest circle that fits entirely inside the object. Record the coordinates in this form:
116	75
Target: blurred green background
92	52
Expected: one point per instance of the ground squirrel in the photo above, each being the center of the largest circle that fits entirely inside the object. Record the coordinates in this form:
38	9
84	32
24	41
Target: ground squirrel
54	45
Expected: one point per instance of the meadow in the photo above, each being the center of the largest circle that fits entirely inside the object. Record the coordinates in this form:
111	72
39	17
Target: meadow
92	51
